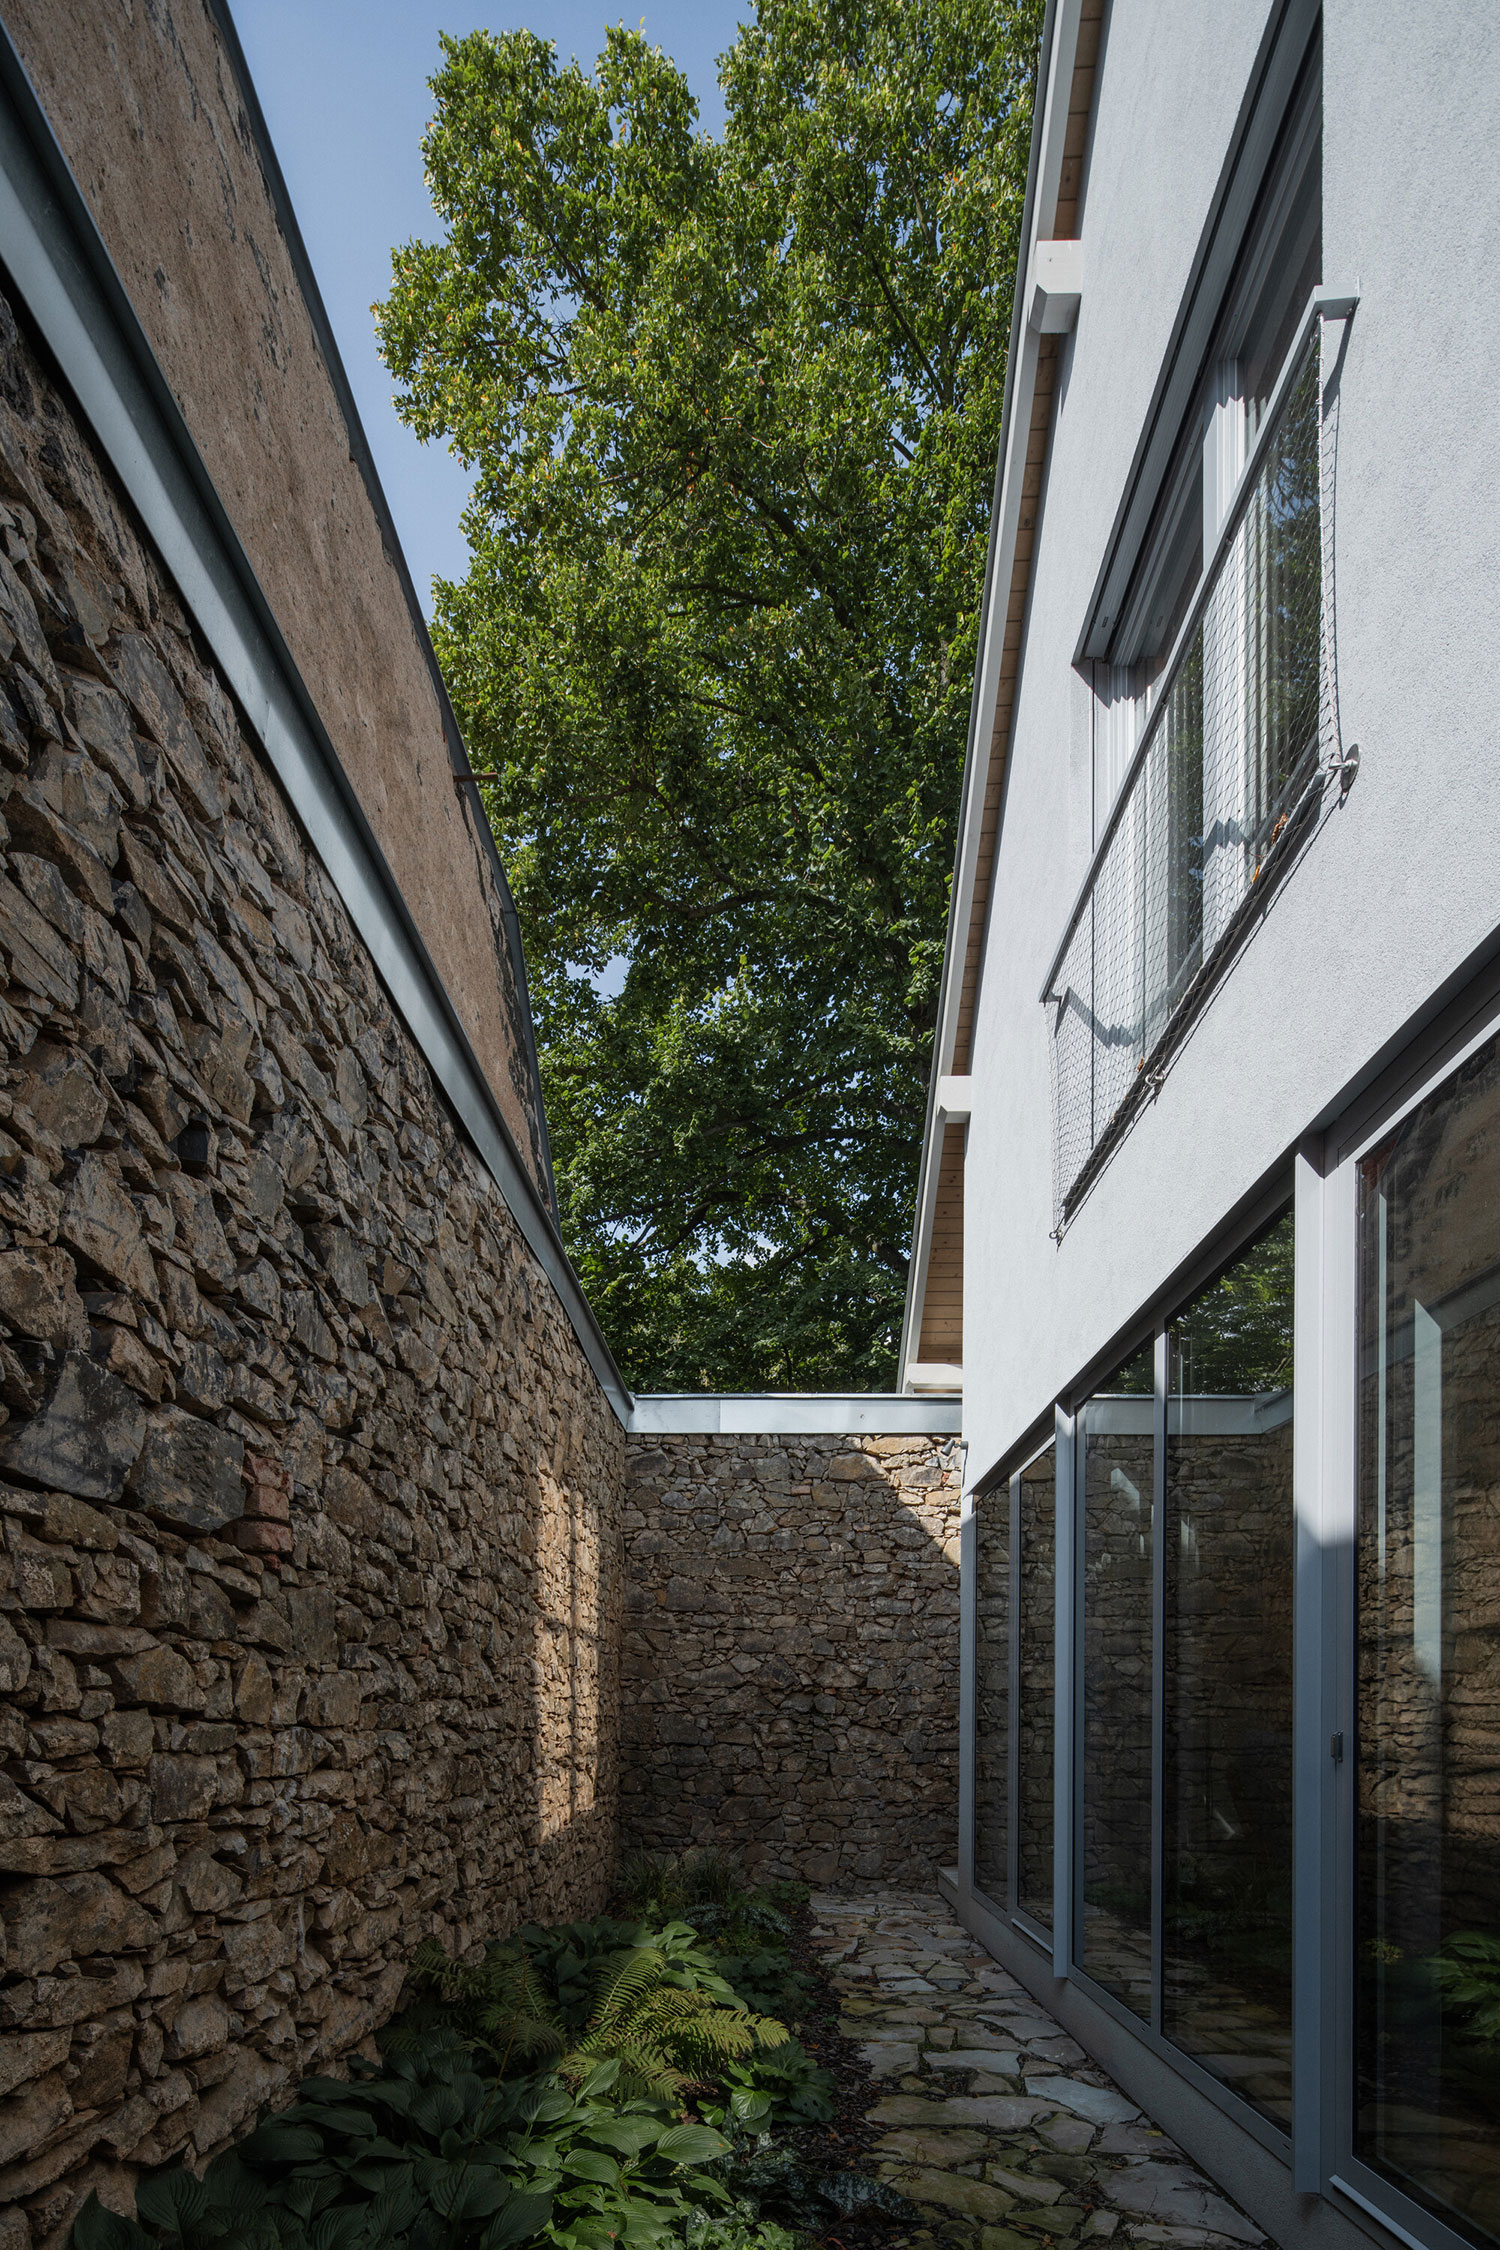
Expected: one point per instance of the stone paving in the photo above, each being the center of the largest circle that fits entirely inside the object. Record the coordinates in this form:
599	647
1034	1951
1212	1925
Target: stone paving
995	2123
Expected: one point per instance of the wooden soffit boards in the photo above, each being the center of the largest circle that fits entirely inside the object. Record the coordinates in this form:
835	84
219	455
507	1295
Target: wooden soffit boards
1064	227
940	1326
942	1332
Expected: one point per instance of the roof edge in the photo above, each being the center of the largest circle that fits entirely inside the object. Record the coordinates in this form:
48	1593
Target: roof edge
1055	58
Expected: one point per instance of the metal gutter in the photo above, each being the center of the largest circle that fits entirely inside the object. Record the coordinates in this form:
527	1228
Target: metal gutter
793	1414
364	460
1048	134
62	272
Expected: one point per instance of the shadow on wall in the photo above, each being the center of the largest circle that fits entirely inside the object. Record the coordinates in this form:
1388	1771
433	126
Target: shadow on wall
309	1583
790	1666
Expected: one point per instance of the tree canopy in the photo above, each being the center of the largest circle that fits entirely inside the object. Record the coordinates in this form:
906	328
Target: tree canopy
734	407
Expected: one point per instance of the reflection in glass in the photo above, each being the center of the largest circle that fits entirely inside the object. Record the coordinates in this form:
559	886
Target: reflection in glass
1037	1627
992	1694
1117	1435
1227	1717
1427	2109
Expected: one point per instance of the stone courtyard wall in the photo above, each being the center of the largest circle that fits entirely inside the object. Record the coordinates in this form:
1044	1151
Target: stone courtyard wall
790	1662
310	1584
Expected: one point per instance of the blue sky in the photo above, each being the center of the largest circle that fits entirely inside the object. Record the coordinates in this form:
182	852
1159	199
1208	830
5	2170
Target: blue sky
343	84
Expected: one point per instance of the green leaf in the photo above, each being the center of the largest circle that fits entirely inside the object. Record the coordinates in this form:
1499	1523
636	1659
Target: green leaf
589	2234
96	2228
691	2144
627	2136
519	2220
274	2143
473	2193
173	2201
359	2124
592	2164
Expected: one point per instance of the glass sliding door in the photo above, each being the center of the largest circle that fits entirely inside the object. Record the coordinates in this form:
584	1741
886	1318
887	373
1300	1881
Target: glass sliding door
1227	1679
1117	1454
992	1654
1036	1708
1427	1921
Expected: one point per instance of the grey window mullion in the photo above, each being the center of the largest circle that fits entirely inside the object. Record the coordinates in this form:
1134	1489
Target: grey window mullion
1065	1545
968	1685
1013	1713
1158	1672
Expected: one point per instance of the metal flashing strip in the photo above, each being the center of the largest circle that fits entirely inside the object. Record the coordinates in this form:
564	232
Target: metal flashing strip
793	1414
60	268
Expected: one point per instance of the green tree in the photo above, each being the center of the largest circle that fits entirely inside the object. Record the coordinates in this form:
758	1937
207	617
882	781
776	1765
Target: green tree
734	407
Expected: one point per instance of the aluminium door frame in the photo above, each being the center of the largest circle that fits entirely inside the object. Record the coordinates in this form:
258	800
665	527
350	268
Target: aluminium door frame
968	1699
1324	2160
1284	1191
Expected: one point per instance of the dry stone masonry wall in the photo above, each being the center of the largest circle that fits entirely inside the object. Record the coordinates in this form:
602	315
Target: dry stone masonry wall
309	1589
791	1652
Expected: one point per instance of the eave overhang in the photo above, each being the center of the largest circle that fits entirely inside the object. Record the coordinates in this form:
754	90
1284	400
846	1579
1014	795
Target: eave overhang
1047	292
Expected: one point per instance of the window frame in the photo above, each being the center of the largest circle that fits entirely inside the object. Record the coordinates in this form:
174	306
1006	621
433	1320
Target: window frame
1007	1478
1292	29
1326	1813
1224	1247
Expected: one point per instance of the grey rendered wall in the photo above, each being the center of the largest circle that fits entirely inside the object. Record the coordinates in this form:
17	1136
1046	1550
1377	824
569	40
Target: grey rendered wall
1398	889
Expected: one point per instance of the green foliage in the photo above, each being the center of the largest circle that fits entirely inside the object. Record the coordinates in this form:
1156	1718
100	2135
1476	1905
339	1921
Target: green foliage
649	2004
1237	1337
420	2151
745	1926
774	2180
765	1980
781	2086
661	1885
734	408
739	2227
1467	1969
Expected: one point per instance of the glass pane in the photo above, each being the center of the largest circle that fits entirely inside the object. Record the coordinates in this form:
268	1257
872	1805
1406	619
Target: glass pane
1119	1449
1035	1715
1428	1595
1227	1718
992	1694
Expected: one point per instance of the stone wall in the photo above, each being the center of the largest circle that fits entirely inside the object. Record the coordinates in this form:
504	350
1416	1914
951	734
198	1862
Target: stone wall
791	1652
309	1588
150	113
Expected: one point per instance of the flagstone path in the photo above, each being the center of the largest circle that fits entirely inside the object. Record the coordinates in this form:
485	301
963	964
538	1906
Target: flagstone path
996	2124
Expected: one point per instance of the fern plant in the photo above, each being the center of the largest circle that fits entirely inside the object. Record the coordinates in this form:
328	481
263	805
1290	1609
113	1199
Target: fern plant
667	2031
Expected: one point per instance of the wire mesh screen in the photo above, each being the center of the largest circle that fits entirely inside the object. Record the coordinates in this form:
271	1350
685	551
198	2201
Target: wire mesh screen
1229	760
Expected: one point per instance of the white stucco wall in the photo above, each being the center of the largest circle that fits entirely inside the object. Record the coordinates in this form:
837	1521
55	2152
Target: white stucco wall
1402	884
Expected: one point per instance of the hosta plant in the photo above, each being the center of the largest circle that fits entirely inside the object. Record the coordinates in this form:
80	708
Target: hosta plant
419	2152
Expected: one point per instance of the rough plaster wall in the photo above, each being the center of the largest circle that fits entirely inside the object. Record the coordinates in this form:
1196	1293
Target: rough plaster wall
145	106
309	1578
790	1665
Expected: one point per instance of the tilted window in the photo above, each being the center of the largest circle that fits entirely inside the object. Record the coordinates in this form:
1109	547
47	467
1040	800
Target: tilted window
1215	728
